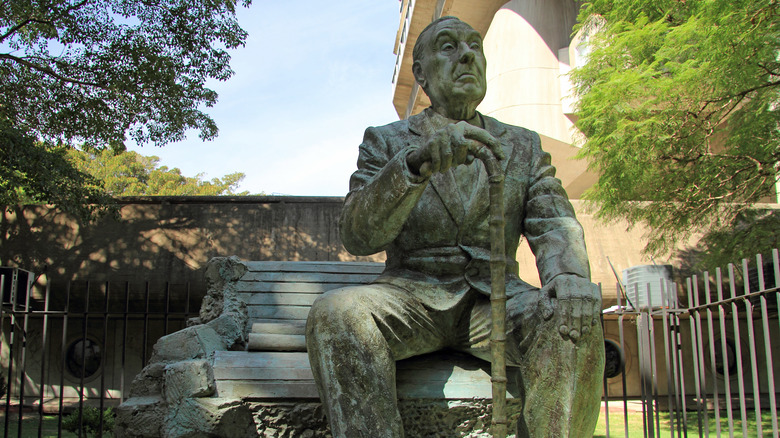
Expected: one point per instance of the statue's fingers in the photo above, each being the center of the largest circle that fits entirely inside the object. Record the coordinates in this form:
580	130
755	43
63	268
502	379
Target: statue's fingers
484	137
564	316
575	325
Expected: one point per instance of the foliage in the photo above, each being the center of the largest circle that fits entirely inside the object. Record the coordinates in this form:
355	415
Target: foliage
37	172
88	71
679	107
90	421
132	174
93	72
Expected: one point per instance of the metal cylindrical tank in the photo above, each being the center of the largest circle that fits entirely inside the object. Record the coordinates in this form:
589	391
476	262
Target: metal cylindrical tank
643	285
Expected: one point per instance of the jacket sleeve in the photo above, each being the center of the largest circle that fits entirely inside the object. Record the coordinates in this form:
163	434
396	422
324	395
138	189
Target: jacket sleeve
553	232
383	192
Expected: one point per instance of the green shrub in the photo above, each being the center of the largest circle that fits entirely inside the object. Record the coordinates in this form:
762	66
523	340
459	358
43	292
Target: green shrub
90	422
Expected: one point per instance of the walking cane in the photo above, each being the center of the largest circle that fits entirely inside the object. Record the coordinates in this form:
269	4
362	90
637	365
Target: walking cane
498	291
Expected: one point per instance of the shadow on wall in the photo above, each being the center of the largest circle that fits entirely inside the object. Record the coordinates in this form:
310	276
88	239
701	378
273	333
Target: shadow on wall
170	238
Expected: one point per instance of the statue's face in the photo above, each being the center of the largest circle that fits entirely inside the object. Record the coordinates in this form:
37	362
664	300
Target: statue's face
452	67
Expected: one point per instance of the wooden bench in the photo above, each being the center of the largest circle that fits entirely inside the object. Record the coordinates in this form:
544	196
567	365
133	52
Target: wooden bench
279	296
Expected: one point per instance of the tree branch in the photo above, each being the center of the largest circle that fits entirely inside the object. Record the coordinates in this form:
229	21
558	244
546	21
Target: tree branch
49	71
24	23
41	21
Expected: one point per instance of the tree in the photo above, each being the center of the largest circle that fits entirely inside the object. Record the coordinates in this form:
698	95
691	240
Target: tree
33	172
678	102
132	174
95	72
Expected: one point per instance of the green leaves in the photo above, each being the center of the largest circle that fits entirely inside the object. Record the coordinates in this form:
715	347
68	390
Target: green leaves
92	71
88	73
33	172
678	102
132	174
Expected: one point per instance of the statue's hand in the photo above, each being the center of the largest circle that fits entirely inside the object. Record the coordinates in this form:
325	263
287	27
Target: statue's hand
450	146
575	302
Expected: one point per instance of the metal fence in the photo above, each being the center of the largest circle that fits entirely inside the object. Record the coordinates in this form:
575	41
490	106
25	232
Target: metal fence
67	348
704	355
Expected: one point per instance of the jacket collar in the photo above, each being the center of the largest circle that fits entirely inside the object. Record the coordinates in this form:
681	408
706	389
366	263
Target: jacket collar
425	123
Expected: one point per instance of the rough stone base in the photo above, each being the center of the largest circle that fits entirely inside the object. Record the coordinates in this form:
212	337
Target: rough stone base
422	418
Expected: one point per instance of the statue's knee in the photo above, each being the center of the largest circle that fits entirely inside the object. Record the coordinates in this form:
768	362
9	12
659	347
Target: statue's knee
333	309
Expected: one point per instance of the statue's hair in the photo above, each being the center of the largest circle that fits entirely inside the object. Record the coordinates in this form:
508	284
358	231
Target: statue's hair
422	39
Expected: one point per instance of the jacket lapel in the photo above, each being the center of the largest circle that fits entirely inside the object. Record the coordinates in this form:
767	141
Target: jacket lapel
444	184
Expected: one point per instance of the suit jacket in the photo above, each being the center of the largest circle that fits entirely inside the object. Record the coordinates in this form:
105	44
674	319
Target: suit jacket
435	231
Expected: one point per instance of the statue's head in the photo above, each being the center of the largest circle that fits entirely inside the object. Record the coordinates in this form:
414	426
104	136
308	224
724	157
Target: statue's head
449	65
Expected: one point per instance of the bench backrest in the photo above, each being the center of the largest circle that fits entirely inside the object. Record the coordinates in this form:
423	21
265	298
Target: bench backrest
280	294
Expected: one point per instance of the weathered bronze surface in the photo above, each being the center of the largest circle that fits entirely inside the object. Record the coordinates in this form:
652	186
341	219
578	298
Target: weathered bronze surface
420	195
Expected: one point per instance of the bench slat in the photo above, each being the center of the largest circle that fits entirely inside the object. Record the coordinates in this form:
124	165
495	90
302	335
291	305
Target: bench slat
249	287
272	299
299	313
279	328
276	342
339	267
308	277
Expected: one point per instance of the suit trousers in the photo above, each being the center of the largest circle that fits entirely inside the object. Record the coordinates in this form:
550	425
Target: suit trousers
355	334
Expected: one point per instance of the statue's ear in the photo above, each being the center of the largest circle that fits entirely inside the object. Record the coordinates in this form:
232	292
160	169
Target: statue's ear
419	76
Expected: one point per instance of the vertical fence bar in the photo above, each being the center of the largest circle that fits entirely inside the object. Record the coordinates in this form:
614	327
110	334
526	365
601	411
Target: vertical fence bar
752	348
693	290
679	352
712	349
124	341
45	343
776	266
698	358
767	345
646	369
187	305
23	359
604	380
104	359
653	361
738	349
621	315
724	353
146	326
84	330
63	347
669	355
10	376
167	307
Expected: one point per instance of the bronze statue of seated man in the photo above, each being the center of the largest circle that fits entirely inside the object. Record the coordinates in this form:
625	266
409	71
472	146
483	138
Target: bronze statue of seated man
419	195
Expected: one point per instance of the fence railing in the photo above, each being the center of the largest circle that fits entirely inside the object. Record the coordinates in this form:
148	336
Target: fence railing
79	344
701	358
704	354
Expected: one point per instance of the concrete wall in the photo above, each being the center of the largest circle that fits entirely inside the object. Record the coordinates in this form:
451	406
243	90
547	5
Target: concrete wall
170	238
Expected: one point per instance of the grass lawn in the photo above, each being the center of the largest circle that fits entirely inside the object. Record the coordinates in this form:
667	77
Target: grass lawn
30	426
617	425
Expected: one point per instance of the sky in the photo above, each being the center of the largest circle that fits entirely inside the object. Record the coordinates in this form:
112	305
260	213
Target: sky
312	77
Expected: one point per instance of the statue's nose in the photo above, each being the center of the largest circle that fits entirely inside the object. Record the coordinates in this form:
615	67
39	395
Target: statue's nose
467	56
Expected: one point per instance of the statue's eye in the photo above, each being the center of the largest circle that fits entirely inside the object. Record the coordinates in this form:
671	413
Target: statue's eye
475	45
447	47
